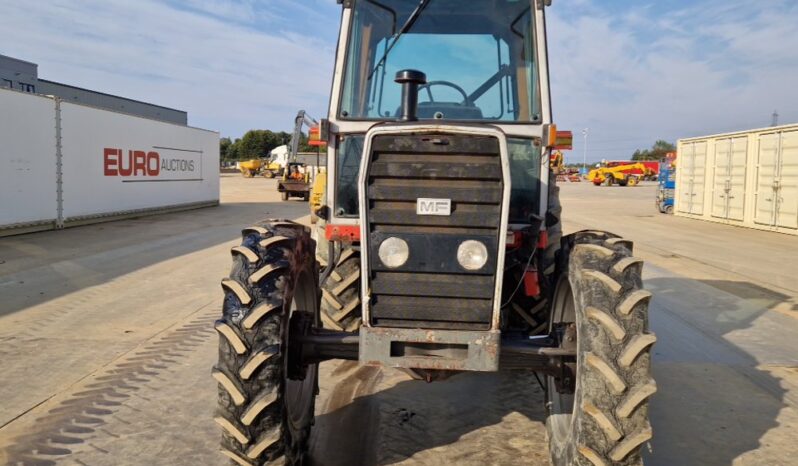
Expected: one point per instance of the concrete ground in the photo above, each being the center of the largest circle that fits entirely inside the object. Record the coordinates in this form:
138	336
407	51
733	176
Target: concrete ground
106	348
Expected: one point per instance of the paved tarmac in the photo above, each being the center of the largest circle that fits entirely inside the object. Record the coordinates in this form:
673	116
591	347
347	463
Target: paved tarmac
106	347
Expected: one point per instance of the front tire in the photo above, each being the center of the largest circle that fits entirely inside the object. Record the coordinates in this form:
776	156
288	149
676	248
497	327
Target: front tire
340	299
265	415
603	418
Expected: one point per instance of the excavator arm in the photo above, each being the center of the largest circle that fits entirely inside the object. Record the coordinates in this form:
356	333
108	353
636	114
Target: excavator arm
302	119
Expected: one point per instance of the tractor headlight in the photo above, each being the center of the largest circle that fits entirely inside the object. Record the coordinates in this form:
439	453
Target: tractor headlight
472	255
394	252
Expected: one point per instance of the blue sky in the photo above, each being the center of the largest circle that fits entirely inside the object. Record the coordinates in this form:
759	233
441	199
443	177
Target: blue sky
630	71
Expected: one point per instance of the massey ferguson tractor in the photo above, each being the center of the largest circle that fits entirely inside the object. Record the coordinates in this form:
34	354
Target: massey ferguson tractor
443	245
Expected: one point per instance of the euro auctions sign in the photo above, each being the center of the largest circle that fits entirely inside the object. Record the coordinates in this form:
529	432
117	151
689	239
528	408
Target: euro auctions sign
155	164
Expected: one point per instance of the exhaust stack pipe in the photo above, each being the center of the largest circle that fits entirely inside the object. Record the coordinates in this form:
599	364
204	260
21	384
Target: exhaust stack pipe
410	81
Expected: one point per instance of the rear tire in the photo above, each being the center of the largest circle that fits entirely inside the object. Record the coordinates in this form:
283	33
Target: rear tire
266	416
284	195
605	420
340	298
268	174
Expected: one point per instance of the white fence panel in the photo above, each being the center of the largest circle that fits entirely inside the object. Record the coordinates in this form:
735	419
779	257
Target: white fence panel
116	163
27	159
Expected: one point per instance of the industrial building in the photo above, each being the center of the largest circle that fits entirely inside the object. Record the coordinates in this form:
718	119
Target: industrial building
747	179
23	76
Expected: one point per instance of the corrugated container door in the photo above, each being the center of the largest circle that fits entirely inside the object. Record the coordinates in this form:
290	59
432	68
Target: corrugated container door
699	170
720	184
767	166
738	161
685	174
787	188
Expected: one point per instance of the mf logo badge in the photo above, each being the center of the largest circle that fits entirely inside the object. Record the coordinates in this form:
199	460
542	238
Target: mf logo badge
442	207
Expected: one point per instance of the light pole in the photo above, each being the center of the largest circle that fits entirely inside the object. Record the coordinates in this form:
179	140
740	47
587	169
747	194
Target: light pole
584	157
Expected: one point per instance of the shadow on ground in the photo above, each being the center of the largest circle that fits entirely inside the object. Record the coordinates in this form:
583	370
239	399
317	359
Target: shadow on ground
713	404
413	419
39	267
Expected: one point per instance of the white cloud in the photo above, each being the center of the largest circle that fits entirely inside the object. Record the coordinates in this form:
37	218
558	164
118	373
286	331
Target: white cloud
228	76
632	77
636	77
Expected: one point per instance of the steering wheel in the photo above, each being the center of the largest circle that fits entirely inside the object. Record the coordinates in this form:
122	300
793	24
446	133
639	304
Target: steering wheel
447	84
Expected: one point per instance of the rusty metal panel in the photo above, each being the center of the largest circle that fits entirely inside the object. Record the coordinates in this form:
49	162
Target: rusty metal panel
430	349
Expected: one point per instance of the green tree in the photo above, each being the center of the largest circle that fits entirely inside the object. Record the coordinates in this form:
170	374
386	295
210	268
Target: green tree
224	147
657	151
256	143
259	143
234	151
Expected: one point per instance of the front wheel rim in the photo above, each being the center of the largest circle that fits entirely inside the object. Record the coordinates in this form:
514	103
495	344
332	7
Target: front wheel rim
299	394
561	406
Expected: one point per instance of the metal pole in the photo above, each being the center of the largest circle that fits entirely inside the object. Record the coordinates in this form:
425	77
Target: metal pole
59	168
584	157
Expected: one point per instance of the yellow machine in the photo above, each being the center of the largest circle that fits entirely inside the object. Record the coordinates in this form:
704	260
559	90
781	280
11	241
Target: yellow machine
617	175
295	182
264	167
557	162
317	195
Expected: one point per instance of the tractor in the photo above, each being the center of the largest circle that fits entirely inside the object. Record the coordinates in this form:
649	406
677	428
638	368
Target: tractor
443	245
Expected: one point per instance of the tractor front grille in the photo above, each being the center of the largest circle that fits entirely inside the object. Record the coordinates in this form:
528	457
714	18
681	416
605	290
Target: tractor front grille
432	290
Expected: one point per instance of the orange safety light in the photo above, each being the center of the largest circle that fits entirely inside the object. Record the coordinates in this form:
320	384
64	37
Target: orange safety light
314	137
564	140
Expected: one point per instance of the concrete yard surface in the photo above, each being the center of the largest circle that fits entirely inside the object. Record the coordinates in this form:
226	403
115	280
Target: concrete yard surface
106	347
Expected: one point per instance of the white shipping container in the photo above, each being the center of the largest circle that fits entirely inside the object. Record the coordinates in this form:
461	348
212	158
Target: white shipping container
748	179
28	196
116	163
65	164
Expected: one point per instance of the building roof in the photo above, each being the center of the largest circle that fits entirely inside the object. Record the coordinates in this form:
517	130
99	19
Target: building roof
110	95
